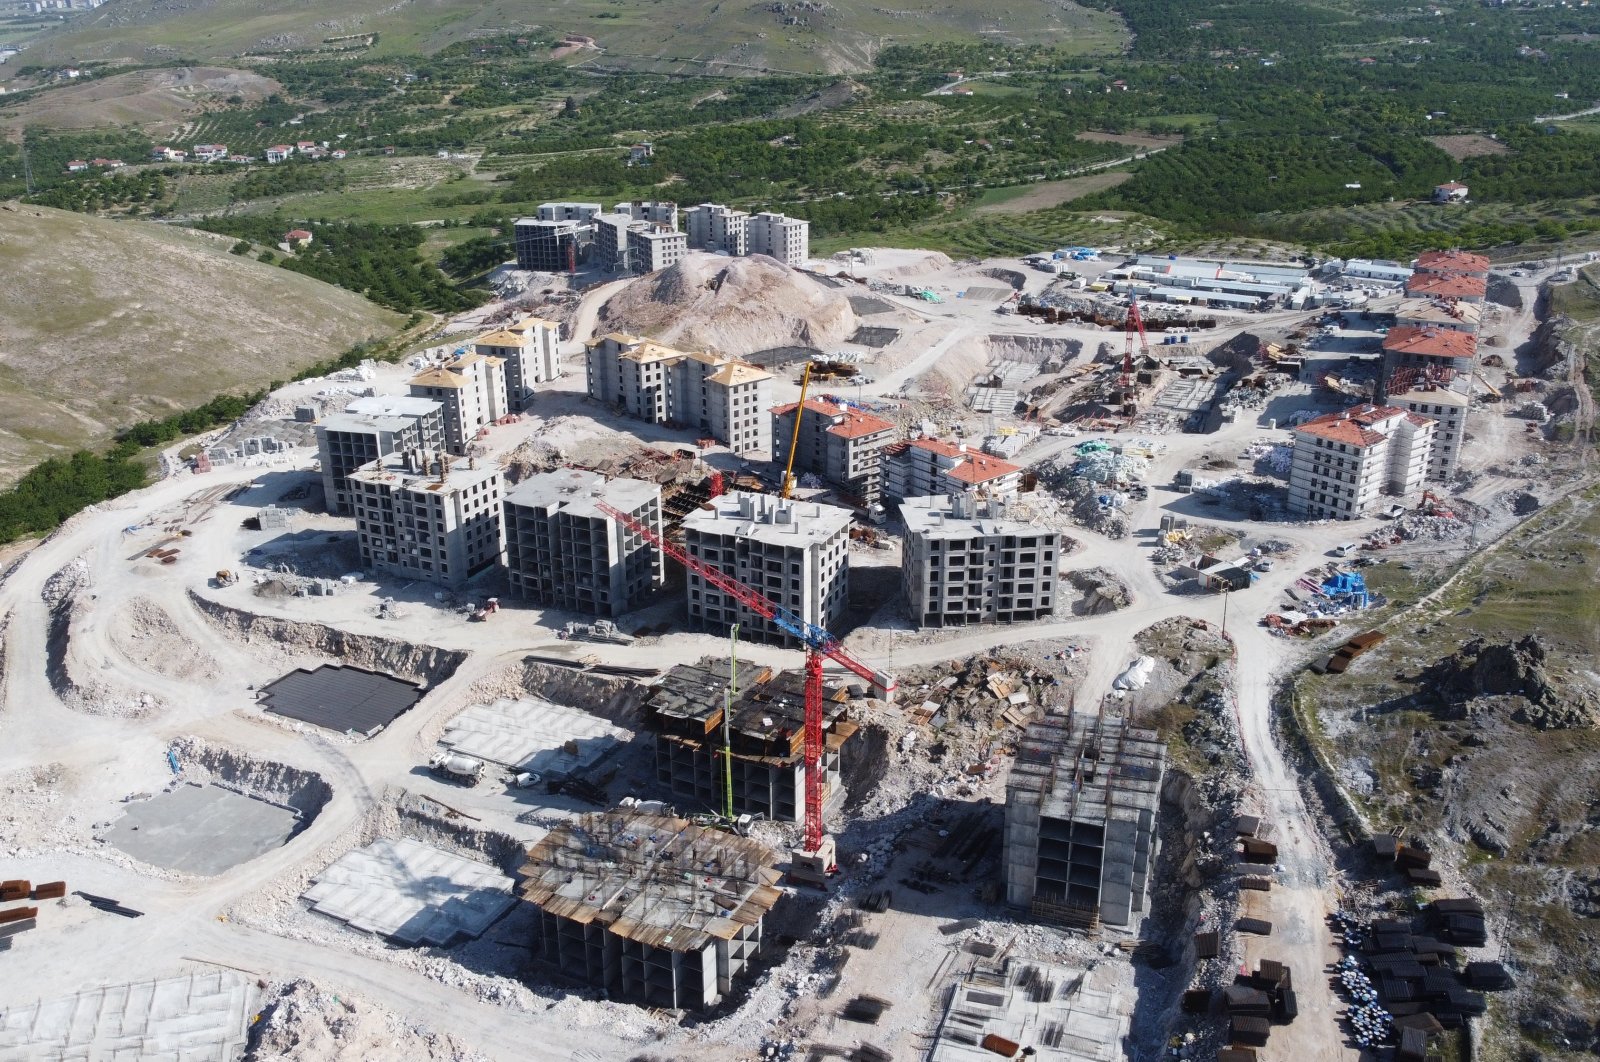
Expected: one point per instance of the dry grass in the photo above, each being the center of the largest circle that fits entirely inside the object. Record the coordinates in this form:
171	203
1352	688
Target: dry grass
104	323
1047	194
1134	140
1468	145
143	97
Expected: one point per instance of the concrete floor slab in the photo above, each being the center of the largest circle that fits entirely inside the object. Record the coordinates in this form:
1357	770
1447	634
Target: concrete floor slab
411	893
530	734
198	1018
1056	1010
200	829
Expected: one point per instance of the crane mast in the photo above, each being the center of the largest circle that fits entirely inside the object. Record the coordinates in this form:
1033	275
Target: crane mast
819	645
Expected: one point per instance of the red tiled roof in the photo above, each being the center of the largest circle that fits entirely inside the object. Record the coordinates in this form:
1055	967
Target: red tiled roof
1448	186
977	468
1431	342
856	424
1353	425
1452	261
826	409
1446	286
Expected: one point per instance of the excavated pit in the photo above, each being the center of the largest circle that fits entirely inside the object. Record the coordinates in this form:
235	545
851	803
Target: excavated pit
299	639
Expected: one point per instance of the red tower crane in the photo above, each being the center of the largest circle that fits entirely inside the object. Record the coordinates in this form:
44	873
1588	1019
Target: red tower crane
819	644
1134	323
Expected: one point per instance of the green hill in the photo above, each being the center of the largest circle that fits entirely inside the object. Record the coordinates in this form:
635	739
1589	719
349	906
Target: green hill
689	35
104	323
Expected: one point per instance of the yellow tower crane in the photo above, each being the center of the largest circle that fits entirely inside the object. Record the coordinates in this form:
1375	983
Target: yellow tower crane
794	440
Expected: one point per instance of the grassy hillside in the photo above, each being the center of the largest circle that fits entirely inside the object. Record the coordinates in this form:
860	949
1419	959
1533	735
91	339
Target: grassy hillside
104	323
684	35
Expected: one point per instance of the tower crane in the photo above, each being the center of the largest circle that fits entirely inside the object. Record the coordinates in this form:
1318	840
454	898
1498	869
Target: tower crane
1134	323
816	858
794	441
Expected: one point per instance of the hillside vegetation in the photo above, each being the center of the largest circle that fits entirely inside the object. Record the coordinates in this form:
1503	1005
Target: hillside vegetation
679	36
104	323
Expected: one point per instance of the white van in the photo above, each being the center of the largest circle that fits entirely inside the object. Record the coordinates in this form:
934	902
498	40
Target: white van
1345	549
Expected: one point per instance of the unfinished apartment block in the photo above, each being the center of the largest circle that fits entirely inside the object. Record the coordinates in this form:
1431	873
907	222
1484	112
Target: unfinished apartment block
472	390
1081	803
766	730
648	908
370	428
722	396
563	552
966	561
420	516
796	553
842	445
530	349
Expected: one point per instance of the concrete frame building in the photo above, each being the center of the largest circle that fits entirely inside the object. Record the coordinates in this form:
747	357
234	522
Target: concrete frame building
472	390
568	211
1453	263
369	429
563	552
531	350
766	731
1460	286
654	211
551	246
784	238
650	908
1343	461
967	562
723	396
653	247
1429	348
924	466
1445	397
714	227
418	516
1080	830
842	445
1435	313
796	553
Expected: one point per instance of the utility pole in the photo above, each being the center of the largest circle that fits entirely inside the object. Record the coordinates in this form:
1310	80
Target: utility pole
1224	613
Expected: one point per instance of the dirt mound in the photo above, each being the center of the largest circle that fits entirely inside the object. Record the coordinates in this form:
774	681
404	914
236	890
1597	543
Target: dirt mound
142	631
732	306
302	1023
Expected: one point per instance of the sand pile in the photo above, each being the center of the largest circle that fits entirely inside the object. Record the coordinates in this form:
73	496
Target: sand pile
305	1022
731	306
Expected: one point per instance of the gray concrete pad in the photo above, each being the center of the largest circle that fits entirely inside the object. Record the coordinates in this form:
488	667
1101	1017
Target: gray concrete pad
532	734
200	829
411	893
198	1018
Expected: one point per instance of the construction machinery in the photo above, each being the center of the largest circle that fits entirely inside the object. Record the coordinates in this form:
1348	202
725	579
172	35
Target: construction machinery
794	440
815	860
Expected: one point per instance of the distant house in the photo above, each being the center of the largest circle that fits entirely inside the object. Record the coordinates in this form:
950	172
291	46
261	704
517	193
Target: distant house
297	238
641	154
340	153
388	149
167	154
279	152
315	153
77	166
1450	192
107	164
304	145
210	152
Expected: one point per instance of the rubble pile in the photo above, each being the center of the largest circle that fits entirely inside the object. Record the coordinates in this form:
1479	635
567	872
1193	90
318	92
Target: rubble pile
1102	592
302	1022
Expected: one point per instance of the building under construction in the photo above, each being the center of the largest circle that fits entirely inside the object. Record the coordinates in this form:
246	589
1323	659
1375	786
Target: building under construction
650	908
1081	803
766	730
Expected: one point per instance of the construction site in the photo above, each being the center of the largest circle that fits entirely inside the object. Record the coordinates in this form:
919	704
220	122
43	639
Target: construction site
696	750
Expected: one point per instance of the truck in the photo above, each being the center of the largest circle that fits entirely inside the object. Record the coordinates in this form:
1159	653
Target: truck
454	767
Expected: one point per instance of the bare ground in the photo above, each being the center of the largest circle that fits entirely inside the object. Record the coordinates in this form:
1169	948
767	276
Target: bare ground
1048	194
1468	145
